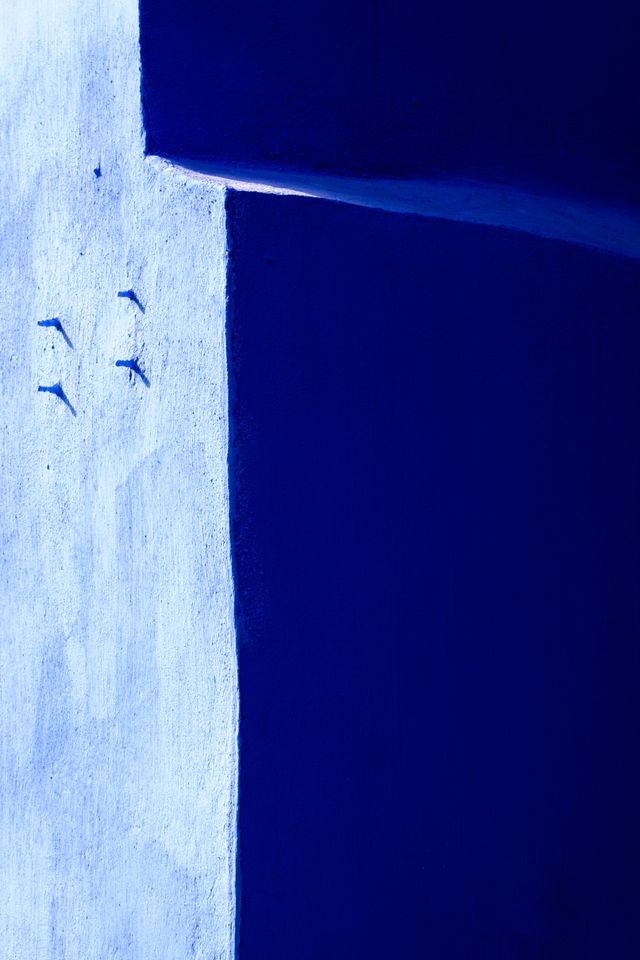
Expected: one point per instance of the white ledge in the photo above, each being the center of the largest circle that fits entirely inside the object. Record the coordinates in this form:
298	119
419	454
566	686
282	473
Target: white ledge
613	229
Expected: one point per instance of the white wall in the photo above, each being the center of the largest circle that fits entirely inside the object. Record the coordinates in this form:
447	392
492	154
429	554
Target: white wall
118	687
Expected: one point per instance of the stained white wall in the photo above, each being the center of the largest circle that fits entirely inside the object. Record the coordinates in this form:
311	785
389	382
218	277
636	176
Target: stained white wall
118	687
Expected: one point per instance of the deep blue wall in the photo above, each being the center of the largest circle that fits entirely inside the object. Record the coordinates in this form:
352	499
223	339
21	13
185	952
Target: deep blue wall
542	92
435	480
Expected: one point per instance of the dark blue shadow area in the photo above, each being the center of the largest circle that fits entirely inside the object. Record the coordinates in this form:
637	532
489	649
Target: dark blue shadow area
435	481
540	92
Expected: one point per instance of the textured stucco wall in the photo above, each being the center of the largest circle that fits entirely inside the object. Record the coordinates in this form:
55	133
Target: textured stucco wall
118	709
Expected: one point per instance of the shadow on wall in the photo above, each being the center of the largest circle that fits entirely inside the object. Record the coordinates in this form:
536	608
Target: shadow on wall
435	481
542	92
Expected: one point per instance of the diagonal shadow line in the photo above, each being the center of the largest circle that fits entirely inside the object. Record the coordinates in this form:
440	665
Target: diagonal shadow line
57	325
57	391
134	366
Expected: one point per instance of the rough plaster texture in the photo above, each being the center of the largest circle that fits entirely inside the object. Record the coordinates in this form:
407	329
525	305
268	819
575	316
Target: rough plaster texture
118	710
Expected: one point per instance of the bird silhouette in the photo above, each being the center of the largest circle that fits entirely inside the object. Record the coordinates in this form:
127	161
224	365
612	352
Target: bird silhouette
57	391
134	366
57	325
130	295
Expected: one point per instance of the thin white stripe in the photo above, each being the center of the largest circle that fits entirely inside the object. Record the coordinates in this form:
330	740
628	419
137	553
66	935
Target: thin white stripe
614	229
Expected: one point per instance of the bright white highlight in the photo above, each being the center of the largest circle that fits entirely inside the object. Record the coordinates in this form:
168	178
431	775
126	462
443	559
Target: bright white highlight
616	230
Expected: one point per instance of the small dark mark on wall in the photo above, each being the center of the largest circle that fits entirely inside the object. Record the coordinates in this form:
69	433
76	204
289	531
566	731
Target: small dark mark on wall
97	171
57	391
130	295
134	367
57	325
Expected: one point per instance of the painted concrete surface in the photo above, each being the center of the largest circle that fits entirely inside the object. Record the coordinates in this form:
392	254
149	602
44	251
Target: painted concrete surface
118	710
